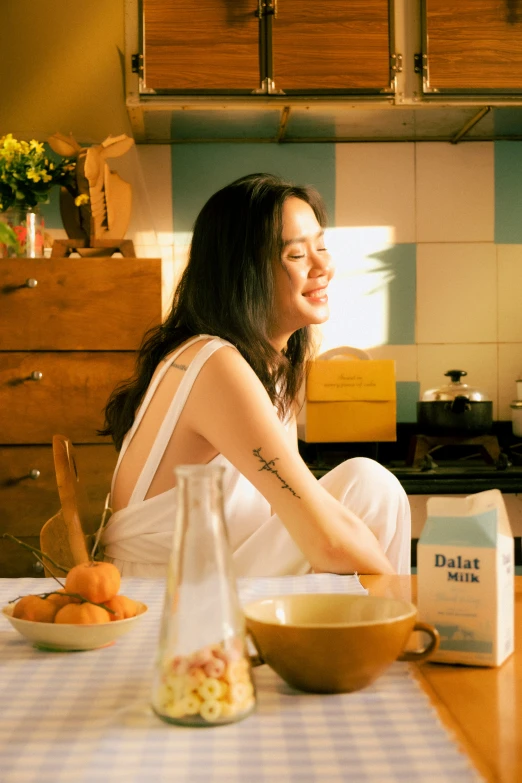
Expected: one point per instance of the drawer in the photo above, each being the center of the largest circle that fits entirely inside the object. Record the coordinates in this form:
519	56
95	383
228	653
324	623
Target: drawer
69	398
78	304
26	504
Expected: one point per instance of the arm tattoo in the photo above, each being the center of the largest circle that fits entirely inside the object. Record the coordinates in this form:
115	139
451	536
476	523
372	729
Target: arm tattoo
269	465
179	366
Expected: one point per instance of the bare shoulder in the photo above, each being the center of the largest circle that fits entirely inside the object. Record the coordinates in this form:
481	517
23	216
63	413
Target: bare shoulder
226	381
227	366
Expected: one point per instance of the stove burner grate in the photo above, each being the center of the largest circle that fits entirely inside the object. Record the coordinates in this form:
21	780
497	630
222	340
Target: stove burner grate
426	449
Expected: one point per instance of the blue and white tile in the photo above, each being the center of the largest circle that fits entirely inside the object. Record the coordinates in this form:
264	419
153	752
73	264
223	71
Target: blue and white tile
508	192
199	170
404	356
455	192
480	361
408	394
456	293
375	186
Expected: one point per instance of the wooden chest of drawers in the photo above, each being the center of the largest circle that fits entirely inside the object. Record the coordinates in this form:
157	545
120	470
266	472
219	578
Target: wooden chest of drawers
69	329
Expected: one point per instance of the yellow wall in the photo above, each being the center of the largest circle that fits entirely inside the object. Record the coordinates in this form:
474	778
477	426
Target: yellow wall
61	68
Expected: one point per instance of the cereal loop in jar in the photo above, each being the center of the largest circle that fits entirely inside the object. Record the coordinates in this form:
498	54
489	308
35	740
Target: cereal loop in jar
210	710
210	689
195	678
214	668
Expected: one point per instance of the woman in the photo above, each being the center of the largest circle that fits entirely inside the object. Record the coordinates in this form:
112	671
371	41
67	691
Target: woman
218	382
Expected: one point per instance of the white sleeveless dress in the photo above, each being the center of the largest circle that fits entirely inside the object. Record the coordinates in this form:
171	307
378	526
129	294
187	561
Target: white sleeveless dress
138	538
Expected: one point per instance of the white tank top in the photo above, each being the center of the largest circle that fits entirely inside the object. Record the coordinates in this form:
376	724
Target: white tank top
138	538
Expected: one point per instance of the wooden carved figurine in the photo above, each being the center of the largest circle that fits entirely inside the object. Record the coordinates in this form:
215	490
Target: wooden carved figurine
96	206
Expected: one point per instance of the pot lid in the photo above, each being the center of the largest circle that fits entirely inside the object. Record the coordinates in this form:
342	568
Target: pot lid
455	389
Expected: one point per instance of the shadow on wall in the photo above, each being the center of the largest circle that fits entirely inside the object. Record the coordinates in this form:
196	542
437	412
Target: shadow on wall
396	267
372	296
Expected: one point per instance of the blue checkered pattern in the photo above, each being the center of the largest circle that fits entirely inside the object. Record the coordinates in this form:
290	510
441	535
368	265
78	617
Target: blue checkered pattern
84	717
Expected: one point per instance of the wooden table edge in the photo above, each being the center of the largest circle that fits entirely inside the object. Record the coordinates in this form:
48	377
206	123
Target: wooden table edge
395	587
458	734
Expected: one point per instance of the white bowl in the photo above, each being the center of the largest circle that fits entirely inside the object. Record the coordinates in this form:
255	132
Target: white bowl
63	636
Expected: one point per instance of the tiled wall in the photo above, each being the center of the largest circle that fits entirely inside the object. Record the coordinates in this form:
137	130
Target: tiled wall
427	239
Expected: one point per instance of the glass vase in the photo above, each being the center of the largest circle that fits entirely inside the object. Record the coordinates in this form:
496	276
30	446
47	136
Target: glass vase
202	673
28	226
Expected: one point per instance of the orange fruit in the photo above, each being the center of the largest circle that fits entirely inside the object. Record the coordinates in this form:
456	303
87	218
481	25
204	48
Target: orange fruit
95	581
122	606
32	607
82	614
61	600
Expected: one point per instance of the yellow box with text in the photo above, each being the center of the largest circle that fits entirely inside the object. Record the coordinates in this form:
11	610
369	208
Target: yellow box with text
350	400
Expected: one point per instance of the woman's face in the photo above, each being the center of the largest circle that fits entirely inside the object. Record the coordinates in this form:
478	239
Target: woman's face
301	280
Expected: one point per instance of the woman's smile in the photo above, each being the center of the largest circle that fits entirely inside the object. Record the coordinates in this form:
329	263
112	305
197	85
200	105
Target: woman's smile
318	295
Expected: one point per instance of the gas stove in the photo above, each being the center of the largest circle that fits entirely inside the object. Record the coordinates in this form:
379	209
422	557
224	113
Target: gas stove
439	468
428	465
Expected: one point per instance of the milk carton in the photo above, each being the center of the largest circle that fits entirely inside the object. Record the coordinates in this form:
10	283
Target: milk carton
465	578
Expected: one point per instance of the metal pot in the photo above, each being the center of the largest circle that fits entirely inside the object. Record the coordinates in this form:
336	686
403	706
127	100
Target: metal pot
455	409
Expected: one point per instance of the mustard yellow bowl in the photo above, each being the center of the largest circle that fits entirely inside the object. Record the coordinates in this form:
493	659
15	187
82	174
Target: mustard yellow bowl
64	637
334	643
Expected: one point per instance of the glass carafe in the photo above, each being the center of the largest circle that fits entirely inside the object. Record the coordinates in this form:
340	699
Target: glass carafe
202	673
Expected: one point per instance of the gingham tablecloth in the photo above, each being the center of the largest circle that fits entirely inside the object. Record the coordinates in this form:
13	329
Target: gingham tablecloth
85	716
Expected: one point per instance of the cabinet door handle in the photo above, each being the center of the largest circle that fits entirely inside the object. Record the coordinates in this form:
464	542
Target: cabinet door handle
33	474
30	283
36	375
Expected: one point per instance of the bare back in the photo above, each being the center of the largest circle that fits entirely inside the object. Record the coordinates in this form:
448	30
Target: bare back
185	445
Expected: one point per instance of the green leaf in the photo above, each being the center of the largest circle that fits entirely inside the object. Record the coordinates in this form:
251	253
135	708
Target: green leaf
8	236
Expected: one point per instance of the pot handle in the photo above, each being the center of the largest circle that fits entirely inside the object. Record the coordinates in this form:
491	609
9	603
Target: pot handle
455	375
431	647
460	404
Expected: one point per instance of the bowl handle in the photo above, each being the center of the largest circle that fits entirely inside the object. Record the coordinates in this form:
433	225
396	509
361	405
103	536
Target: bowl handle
431	647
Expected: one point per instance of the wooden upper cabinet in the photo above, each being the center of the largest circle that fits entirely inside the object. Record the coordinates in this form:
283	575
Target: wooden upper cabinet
473	45
240	46
200	45
331	45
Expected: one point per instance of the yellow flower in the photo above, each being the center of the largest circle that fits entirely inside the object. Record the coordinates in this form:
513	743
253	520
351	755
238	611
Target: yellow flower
36	145
10	143
83	199
33	175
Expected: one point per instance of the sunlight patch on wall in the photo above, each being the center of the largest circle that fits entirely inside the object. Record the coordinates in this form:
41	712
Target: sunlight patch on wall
359	291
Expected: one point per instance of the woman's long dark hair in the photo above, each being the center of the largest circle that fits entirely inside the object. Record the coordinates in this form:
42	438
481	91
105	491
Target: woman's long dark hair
226	290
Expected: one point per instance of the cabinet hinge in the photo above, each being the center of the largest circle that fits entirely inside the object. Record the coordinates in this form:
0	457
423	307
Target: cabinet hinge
266	8
420	62
137	64
396	63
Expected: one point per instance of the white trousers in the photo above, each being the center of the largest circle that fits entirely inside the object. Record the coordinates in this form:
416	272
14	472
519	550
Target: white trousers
138	539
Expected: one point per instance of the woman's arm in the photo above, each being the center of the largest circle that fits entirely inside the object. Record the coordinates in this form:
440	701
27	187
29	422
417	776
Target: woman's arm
229	407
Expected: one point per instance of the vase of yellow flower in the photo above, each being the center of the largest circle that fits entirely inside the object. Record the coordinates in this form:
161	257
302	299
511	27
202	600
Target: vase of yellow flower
27	175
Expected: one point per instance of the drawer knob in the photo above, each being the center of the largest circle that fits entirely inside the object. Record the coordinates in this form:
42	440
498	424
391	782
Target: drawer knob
31	282
34	474
36	375
37	569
